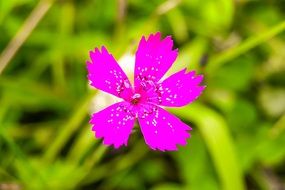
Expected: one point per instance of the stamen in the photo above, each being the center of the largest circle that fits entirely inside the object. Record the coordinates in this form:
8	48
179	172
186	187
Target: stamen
135	98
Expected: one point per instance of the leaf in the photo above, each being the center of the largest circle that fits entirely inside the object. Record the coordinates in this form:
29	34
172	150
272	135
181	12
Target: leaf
214	130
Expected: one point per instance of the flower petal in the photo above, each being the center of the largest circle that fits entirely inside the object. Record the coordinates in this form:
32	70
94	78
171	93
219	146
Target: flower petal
180	89
105	74
163	131
113	124
154	57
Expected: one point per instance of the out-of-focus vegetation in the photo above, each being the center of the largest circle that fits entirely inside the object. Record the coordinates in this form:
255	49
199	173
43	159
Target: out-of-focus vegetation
238	123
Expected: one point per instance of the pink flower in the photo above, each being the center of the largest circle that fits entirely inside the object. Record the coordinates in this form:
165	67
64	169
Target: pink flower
161	130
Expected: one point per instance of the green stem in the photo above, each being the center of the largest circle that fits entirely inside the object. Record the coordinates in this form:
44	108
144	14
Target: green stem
117	165
69	128
24	32
248	44
219	142
83	143
90	163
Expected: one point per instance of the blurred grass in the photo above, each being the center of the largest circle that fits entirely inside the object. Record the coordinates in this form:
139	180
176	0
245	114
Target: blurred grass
238	124
215	133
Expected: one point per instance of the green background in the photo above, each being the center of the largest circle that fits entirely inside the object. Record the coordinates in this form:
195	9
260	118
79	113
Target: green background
238	123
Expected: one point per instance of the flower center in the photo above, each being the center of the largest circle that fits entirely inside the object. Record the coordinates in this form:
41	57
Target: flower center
135	98
149	89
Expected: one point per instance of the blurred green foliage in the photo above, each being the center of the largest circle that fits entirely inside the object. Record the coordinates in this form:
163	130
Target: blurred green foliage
238	124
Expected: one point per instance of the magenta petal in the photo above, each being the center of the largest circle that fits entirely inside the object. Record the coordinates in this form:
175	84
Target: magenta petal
163	131
113	124
181	89
105	74
154	57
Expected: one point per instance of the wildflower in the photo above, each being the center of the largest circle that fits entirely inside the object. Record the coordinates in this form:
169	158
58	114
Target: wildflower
161	130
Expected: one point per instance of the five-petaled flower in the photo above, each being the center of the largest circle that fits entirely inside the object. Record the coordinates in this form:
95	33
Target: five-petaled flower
161	130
